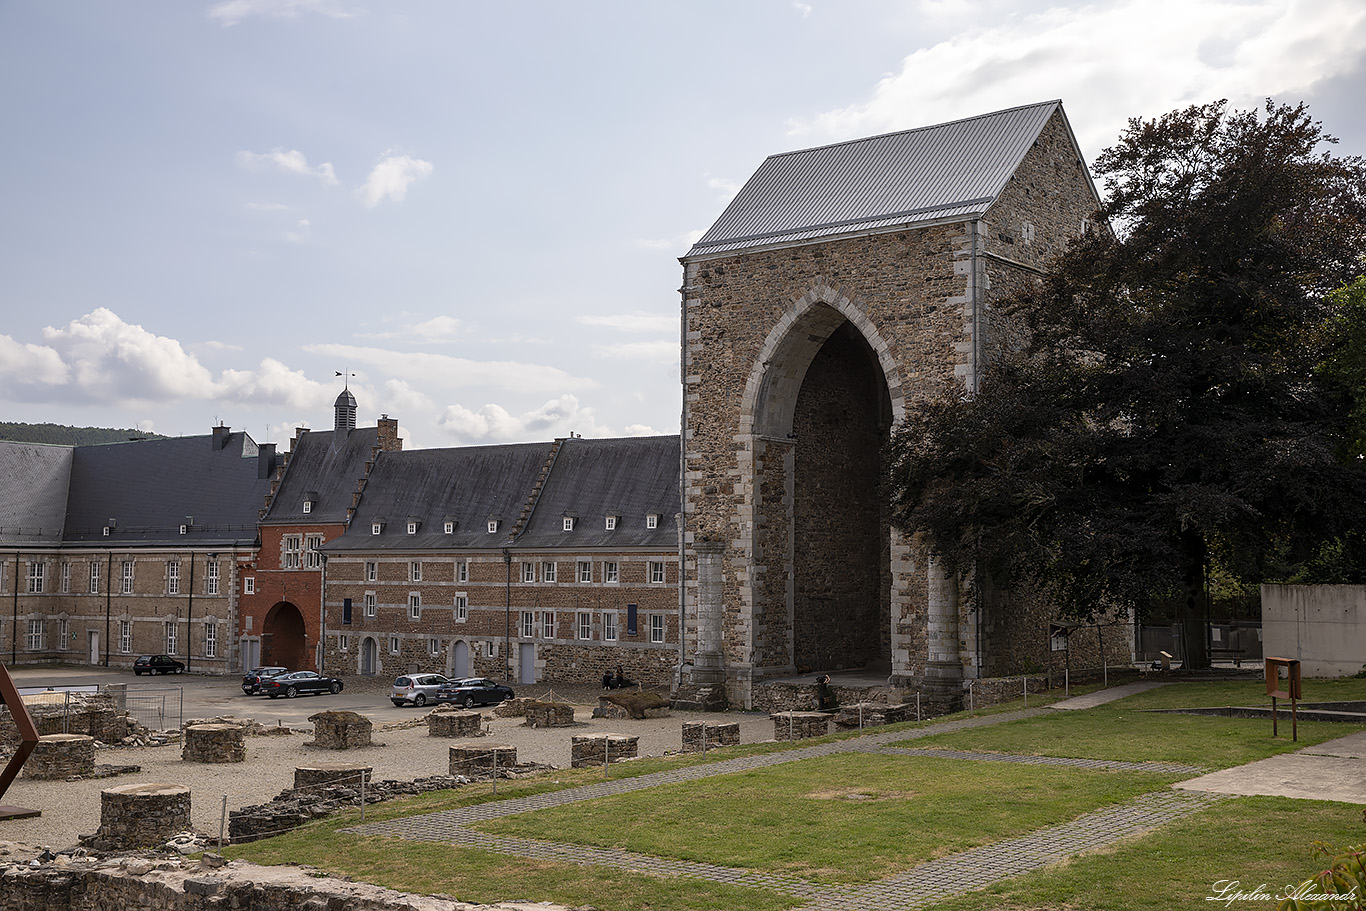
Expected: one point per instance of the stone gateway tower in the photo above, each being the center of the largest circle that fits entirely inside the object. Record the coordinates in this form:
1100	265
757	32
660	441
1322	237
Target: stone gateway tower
841	285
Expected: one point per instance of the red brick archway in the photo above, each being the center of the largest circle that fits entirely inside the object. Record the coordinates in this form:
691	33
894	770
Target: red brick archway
283	639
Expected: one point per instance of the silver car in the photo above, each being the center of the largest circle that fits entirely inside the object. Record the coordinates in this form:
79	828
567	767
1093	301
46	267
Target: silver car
419	689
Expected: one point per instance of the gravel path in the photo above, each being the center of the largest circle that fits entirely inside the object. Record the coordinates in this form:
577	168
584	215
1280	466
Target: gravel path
72	808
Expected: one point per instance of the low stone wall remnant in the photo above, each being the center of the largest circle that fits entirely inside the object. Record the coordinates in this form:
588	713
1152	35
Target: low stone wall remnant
723	734
449	722
334	773
597	749
214	743
800	725
60	756
140	816
872	714
549	715
476	762
341	730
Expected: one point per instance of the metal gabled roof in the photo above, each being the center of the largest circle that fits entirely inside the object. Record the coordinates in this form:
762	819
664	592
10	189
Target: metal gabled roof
327	465
931	174
33	480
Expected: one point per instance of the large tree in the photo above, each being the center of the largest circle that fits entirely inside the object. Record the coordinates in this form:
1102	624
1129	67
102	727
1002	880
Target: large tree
1173	391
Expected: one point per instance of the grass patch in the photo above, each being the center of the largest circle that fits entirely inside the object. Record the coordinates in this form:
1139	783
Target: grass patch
1124	730
844	818
1253	840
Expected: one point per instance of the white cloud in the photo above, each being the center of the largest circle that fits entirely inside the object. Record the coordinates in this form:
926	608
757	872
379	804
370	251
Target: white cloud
645	430
111	360
291	162
803	9
26	364
399	398
300	234
275	384
634	321
514	376
391	177
1132	58
436	329
231	12
725	185
495	424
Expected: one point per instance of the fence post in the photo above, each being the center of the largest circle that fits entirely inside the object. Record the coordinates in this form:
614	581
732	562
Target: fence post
917	706
606	749
495	773
1025	682
362	796
222	823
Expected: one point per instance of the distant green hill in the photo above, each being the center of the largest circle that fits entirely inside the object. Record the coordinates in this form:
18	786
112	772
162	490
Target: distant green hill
61	435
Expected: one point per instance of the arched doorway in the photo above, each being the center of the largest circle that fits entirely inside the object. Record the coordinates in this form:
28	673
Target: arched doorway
369	657
283	638
840	530
460	659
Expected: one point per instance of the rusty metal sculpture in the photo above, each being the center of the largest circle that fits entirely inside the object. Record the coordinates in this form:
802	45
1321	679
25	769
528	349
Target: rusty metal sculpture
28	739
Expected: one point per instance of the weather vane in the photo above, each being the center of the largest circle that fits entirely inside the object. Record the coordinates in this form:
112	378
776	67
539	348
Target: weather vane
346	382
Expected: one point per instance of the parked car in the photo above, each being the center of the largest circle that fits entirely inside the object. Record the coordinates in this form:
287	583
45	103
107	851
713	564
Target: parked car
251	680
419	689
157	664
469	691
299	683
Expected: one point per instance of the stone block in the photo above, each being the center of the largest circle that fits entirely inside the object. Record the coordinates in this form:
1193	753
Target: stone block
597	749
872	715
59	756
474	762
800	725
141	815
334	773
549	715
214	743
451	723
722	734
339	730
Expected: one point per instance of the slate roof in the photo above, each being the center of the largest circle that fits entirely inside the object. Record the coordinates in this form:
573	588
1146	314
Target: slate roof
951	171
630	478
33	486
469	484
149	486
328	465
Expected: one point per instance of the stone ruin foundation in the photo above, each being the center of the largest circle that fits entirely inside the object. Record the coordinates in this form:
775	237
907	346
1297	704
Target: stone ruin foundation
334	773
872	715
339	730
549	715
598	749
214	743
724	734
478	762
799	725
445	722
140	816
59	756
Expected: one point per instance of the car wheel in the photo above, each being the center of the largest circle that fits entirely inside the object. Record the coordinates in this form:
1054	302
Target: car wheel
398	703
291	693
420	700
466	701
335	688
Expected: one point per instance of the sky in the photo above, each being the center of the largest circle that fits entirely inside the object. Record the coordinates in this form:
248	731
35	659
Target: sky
210	209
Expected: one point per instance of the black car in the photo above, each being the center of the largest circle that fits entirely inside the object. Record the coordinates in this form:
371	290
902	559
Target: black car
469	691
157	664
299	683
251	680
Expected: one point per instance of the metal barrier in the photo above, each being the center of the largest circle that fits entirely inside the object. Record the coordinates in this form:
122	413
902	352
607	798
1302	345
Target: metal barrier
160	708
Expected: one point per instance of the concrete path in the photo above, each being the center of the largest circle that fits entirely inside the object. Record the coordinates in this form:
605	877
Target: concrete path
1329	771
1100	697
915	888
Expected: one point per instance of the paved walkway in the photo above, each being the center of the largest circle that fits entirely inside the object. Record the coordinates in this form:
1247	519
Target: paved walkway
1329	771
1100	697
915	888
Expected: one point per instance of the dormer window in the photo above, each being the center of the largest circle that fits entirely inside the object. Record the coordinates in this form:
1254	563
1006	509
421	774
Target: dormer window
106	531
568	523
308	506
183	529
493	526
611	523
652	521
310	497
412	527
377	527
448	527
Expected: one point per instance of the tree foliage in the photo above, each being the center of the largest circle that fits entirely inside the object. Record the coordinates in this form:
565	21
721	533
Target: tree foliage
1182	387
63	435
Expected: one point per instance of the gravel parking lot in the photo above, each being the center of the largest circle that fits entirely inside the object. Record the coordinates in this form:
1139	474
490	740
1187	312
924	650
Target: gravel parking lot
72	808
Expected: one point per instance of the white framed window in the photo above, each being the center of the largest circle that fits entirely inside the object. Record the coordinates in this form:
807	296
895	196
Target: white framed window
371	571
211	639
548	572
66	577
376	527
94	578
528	572
462	607
393	645
584	571
313	555
343	642
249	585
433	646
290	548
63	634
414	605
585	624
657	572
462	571
106	531
126	583
656	627
568	523
448	527
369	603
35	635
184	529
211	578
528	624
172	632
173	577
35	577
125	636
412	527
548	624
652	521
609	627
611	571
611	523
491	648
493	526
414	570
308	506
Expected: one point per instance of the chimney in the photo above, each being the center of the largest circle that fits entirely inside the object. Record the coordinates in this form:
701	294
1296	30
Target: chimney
265	460
387	434
220	437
